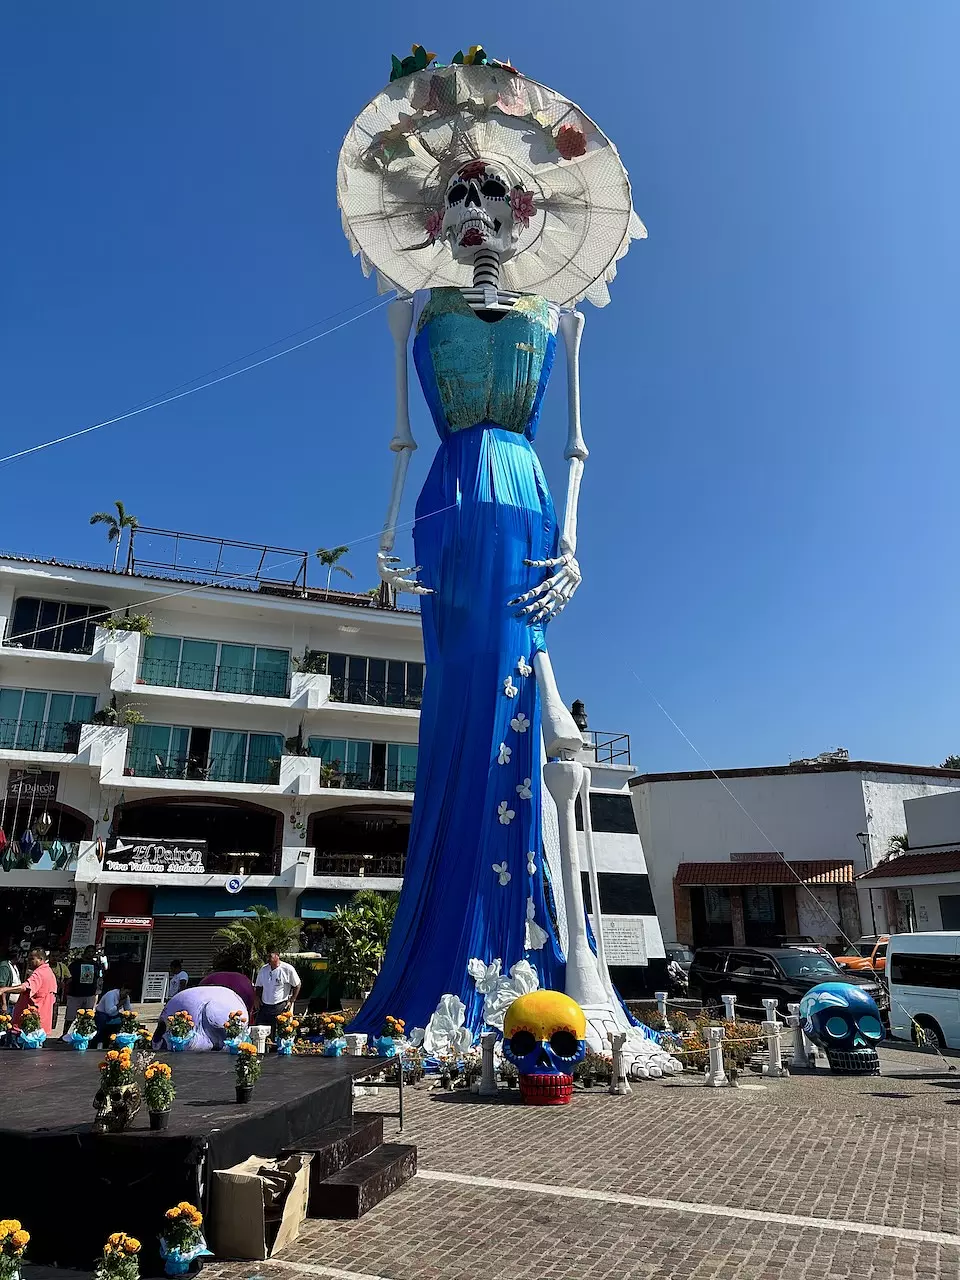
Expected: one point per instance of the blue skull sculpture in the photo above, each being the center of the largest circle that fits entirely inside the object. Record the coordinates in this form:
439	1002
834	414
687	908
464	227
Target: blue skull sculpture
844	1021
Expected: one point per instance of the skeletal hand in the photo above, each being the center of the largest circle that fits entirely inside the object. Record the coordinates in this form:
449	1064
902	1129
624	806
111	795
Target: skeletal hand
549	599
386	567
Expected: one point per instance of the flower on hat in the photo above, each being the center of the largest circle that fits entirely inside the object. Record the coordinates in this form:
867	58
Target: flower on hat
522	204
571	141
434	224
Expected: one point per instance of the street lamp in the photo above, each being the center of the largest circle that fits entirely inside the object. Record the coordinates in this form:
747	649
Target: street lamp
864	838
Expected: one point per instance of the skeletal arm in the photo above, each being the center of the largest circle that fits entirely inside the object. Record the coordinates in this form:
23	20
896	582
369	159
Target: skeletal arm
552	595
400	318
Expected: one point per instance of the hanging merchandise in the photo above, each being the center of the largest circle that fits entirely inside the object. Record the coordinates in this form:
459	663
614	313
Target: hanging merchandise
43	824
3	840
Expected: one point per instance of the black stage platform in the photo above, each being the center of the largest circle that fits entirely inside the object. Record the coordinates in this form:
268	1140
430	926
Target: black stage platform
71	1188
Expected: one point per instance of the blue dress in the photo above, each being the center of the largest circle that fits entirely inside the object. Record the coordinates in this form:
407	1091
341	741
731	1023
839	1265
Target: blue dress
476	884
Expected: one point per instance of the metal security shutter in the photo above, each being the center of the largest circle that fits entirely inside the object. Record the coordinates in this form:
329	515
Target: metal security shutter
185	938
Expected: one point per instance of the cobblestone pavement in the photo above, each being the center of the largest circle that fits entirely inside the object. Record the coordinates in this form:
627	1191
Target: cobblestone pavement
674	1181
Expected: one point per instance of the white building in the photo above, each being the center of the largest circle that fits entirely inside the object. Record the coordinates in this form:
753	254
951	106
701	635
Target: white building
297	782
716	846
258	746
920	891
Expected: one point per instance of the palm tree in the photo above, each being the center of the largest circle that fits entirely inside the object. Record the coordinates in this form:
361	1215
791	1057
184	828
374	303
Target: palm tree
328	556
250	941
115	526
896	846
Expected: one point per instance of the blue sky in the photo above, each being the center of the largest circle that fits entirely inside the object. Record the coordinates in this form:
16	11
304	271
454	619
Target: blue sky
768	525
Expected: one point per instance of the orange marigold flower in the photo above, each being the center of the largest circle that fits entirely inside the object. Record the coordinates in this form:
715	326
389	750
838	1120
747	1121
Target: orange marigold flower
20	1239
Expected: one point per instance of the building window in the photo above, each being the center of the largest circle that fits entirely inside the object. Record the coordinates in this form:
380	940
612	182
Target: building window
621	894
609	813
204	755
379	682
211	664
362	765
56	625
38	720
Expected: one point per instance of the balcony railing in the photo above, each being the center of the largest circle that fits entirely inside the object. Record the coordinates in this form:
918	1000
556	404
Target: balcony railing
373	693
143	762
254	864
368	778
37	735
607	748
42	855
265	682
358	864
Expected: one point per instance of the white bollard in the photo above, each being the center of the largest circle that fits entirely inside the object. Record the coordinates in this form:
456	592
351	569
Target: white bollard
618	1075
804	1050
716	1076
356	1043
773	1066
661	999
488	1077
729	1008
258	1038
772	1008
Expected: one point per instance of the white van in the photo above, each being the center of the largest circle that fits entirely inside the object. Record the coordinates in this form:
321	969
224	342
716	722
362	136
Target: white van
923	974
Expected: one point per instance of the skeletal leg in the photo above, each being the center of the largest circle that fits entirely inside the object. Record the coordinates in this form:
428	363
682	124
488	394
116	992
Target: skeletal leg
560	733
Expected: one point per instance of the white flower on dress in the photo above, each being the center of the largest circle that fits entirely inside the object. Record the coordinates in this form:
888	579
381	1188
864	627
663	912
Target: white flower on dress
505	815
523	789
523	667
510	690
534	937
531	863
445	1031
520	723
505	754
499	991
503	875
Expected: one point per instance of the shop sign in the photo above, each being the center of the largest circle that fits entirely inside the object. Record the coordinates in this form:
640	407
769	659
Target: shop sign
22	784
764	855
83	931
128	922
163	857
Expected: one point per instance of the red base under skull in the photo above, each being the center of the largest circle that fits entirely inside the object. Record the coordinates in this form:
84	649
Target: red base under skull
552	1090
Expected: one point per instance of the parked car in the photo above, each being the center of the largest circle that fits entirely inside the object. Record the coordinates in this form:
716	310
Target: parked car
924	976
871	953
754	974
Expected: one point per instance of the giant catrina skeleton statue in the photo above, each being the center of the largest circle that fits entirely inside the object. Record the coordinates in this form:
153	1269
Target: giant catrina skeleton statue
493	206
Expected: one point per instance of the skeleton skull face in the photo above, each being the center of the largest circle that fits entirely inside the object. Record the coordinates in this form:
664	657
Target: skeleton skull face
544	1037
479	211
844	1021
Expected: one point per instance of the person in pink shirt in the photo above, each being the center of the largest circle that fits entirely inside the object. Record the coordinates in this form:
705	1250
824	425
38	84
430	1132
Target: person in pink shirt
40	990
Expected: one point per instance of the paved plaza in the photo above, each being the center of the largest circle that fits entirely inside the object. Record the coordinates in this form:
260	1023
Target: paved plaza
811	1177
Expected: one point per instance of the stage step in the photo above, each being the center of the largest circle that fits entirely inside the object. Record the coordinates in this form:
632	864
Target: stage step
355	1189
337	1145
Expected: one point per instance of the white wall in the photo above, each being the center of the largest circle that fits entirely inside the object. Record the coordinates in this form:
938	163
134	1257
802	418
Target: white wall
886	794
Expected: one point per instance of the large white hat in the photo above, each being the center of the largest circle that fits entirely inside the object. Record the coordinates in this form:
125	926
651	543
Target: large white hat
405	145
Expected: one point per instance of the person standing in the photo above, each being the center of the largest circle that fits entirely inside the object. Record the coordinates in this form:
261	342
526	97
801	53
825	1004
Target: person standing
178	980
40	990
85	976
277	987
9	977
61	971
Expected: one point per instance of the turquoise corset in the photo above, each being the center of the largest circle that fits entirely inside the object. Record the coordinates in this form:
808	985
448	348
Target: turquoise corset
477	373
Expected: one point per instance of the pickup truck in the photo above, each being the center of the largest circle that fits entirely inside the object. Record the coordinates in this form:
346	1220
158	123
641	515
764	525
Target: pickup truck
871	953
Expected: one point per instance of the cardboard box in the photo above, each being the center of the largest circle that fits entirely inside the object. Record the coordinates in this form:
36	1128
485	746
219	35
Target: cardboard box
256	1207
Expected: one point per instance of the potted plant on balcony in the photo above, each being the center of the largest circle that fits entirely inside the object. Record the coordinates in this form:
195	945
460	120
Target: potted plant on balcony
247	1071
159	1091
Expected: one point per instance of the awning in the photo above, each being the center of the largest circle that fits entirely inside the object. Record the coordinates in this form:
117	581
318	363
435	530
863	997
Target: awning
314	904
776	871
211	902
908	865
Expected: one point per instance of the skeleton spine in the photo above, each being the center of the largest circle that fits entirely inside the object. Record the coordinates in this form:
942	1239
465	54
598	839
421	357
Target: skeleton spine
486	269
